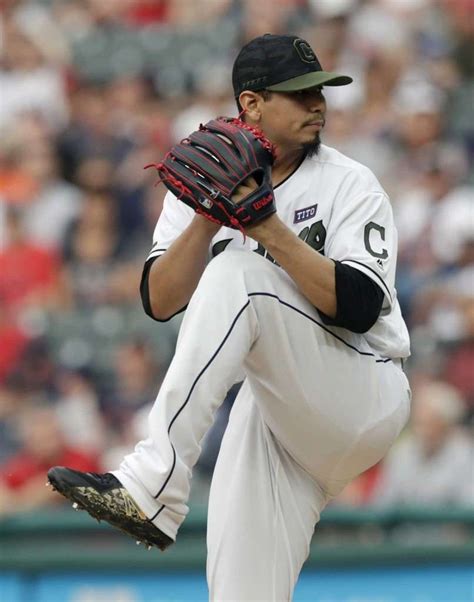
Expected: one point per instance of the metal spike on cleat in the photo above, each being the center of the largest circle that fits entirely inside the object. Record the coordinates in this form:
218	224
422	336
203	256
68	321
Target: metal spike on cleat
138	542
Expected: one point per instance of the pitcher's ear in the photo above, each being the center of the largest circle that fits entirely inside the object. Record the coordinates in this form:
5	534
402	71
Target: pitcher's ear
251	104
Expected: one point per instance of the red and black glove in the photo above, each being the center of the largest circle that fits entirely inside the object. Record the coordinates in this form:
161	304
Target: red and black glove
205	170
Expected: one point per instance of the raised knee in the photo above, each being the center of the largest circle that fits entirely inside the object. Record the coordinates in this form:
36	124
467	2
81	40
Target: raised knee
235	270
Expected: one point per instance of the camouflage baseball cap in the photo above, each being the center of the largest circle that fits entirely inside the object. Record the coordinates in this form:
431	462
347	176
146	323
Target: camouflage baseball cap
281	63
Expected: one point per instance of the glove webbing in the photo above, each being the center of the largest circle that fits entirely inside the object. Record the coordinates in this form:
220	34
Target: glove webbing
185	190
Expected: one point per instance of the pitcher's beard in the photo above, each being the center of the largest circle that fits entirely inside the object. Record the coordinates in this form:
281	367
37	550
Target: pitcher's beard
311	149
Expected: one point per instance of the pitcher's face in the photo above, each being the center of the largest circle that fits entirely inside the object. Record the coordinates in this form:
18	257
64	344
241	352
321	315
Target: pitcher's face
293	119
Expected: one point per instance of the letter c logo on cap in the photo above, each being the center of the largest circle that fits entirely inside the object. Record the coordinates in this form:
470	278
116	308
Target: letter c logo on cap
304	50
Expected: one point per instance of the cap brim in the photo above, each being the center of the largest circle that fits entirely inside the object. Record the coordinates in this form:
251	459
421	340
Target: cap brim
310	80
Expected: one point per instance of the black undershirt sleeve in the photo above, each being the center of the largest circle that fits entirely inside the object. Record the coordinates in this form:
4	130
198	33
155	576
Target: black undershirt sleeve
359	300
145	291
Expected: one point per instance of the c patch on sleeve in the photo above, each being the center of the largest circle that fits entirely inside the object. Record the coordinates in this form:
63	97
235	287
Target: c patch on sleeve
302	215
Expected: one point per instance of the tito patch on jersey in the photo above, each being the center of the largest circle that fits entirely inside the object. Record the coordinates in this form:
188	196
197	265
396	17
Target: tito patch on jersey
303	214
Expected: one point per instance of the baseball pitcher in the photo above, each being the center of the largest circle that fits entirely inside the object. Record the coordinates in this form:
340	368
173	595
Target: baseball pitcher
283	252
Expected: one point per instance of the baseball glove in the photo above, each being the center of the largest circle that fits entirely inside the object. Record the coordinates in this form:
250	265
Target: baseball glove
205	170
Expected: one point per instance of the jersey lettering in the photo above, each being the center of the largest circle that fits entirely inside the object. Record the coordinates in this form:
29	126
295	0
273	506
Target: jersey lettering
381	230
302	215
314	236
220	246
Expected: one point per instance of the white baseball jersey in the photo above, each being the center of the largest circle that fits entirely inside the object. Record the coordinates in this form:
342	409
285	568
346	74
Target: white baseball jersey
340	209
298	432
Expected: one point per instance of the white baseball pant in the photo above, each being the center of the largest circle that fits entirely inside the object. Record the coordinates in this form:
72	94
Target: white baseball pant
317	408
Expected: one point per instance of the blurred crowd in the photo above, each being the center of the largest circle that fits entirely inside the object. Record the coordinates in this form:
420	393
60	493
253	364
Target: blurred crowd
93	90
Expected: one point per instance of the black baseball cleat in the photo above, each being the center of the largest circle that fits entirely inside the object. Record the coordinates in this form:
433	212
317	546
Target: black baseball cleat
105	498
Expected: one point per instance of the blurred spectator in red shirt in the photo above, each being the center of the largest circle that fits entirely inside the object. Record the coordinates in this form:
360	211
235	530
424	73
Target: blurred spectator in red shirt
12	343
146	12
29	274
23	477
